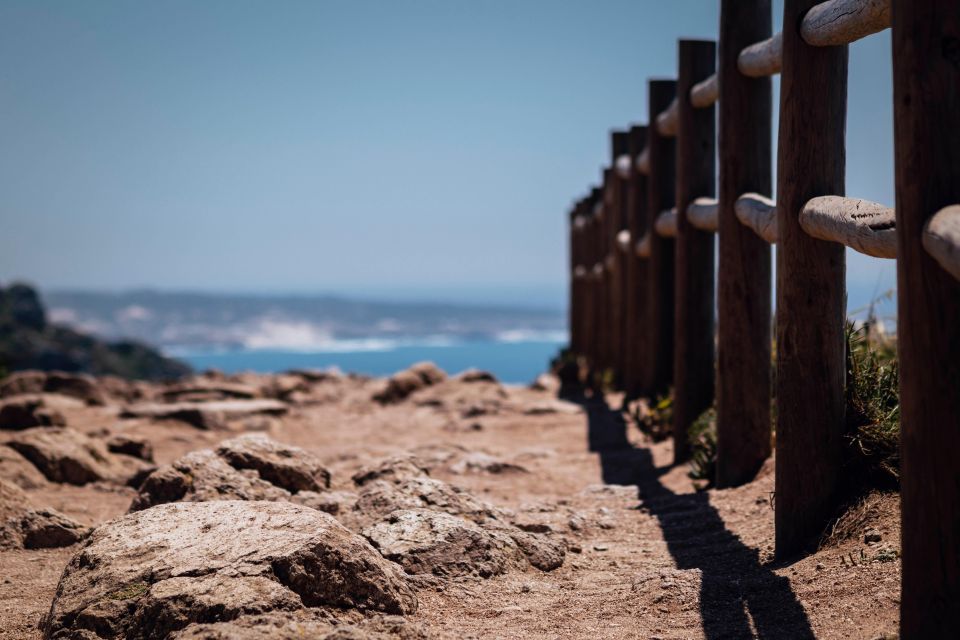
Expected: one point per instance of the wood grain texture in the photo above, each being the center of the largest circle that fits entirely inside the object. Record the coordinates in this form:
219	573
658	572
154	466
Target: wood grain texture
862	225
838	22
702	214
744	261
811	291
658	368
693	366
705	93
667	120
759	214
941	239
926	90
763	58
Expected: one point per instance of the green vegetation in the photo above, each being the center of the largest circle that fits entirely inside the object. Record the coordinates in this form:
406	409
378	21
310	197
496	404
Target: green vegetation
872	451
134	590
28	341
873	407
657	421
703	448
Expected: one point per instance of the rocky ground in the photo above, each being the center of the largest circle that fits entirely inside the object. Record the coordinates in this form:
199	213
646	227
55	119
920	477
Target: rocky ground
322	505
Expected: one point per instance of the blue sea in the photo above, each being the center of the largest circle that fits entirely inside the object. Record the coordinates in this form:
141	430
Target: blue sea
512	362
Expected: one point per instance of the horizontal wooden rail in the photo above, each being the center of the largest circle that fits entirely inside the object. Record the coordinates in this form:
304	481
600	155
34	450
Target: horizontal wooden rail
623	240
702	214
668	120
643	246
941	239
623	167
840	22
704	94
759	213
666	223
864	226
643	161
763	58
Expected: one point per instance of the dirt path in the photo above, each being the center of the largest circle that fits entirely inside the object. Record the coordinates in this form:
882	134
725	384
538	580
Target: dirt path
648	556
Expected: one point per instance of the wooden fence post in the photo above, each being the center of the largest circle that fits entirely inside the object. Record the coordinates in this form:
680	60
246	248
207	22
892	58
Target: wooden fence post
618	147
693	365
811	296
658	367
636	301
576	282
596	286
607	240
743	274
926	89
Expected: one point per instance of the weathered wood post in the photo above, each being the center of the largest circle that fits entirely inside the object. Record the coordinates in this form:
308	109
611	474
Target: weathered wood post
743	273
596	284
926	89
618	147
576	281
623	185
693	365
658	365
810	287
637	332
607	241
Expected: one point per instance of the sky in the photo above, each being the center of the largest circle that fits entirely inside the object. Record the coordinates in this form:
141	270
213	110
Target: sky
389	148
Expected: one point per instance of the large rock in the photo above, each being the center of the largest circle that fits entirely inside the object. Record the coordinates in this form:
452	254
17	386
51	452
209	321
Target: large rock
202	476
425	541
204	389
22	525
393	469
379	498
77	385
22	382
297	625
286	466
152	573
250	467
23	412
65	455
475	375
205	415
135	446
16	469
403	383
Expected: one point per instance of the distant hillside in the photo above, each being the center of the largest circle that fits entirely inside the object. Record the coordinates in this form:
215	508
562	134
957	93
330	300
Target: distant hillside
29	341
297	322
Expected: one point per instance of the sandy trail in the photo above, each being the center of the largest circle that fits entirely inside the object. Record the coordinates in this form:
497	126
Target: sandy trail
649	556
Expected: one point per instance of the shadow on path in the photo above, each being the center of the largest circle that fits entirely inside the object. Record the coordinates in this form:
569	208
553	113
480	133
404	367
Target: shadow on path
739	597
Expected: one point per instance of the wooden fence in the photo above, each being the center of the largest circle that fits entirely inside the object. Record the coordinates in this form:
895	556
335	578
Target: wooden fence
642	257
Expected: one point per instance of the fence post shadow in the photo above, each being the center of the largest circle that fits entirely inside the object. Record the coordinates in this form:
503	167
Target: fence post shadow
739	596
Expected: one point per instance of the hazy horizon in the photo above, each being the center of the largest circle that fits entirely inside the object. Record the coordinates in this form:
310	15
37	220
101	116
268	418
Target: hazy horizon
408	150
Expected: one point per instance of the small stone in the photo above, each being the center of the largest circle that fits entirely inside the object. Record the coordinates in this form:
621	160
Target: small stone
871	536
600	547
525	589
575	523
820	566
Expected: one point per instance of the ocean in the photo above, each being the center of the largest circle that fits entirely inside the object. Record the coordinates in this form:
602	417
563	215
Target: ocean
512	362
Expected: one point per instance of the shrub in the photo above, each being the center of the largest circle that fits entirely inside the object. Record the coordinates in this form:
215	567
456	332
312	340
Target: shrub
873	406
703	448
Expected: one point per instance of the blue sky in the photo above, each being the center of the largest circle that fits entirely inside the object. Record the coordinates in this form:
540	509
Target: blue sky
401	148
